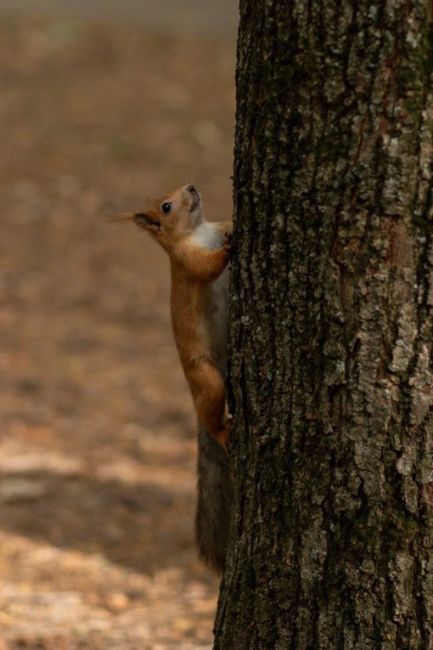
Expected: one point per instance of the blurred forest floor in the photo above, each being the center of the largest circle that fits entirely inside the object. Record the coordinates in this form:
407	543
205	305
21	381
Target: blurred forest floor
97	442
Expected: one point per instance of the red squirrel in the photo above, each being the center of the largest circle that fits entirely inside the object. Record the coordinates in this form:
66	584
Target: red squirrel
199	253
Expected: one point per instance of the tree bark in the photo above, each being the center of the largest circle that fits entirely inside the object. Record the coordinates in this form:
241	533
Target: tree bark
331	375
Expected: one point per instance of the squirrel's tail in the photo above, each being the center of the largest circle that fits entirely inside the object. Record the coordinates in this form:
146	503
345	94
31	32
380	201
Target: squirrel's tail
213	502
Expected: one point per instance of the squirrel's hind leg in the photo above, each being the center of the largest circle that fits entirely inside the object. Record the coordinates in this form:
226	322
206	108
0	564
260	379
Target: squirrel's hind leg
208	391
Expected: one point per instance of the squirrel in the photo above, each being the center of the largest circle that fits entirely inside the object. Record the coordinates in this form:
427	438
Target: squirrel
199	253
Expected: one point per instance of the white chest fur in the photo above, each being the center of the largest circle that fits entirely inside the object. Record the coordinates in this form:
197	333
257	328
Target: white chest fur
208	236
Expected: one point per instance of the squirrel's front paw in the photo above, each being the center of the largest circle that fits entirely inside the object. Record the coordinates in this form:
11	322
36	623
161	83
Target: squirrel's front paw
227	244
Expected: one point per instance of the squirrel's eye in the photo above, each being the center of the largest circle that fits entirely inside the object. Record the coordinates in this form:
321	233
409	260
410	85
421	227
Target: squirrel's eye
166	207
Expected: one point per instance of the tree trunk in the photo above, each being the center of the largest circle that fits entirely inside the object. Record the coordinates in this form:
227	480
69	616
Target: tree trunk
331	329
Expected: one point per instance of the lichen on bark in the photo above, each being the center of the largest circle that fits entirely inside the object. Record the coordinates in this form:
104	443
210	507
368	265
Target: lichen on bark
331	377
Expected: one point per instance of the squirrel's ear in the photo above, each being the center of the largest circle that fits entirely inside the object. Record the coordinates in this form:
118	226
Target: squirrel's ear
147	220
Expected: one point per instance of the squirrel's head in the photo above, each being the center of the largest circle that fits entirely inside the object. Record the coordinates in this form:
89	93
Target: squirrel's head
170	218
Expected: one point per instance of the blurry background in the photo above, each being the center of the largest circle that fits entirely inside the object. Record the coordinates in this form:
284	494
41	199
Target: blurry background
102	103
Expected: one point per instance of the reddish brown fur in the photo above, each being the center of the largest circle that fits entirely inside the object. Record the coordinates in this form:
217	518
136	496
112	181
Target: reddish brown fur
193	270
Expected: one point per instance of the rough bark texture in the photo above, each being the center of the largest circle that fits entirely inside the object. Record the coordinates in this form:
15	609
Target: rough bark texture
331	329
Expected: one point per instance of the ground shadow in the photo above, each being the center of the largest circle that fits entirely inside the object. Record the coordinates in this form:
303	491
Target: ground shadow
142	526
